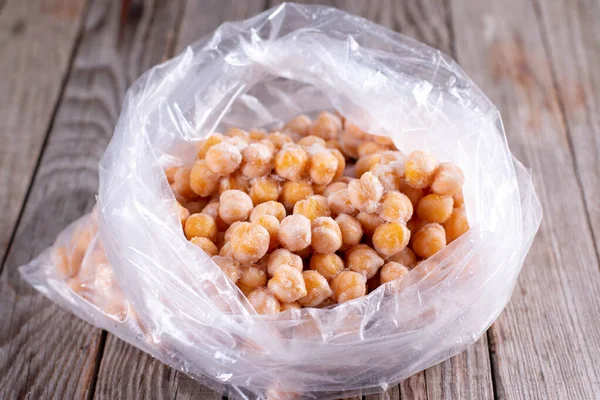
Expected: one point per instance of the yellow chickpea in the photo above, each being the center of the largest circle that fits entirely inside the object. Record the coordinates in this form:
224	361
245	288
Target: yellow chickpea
271	224
294	305
273	208
392	271
249	242
312	208
435	208
448	180
387	176
428	240
184	213
351	228
279	140
287	284
348	285
299	125
235	181
395	207
311	140
246	290
229	266
419	169
322	166
234	205
182	185
327	126
257	160
326	235
405	257
290	162
364	164
295	232
205	244
292	192
390	238
207	143
265	188
252	277
456	225
200	225
317	289
328	265
256	135
366	192
264	302
364	260
283	257
334	187
367	148
348	145
226	250
369	222
223	158
339	202
267	142
341	163
202	180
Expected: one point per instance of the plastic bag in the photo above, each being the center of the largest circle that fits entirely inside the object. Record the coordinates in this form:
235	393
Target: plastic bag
142	281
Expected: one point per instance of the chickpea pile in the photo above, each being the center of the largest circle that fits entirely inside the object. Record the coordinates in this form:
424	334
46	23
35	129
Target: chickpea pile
317	212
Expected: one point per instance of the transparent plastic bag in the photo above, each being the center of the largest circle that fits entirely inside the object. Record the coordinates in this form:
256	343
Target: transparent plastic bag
139	278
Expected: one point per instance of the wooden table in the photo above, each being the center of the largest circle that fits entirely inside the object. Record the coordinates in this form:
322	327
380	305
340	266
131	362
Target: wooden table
65	66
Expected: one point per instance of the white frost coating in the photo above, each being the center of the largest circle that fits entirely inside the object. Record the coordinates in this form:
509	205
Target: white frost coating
258	73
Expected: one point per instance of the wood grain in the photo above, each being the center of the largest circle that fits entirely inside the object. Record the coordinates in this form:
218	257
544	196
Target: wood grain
546	343
36	45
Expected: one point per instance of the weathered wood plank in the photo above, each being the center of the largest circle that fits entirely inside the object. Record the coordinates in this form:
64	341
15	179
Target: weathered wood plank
45	351
36	46
546	343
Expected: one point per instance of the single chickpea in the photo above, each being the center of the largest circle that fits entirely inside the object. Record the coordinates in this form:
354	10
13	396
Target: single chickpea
223	158
312	208
235	181
183	212
369	222
415	195
202	180
364	260
349	145
264	302
287	284
249	242
428	240
367	148
257	160
252	277
292	192
354	131
322	166
283	257
265	188
405	257
390	238
448	180
299	125
328	265
245	290
419	169
237	132
170	174
279	140
200	225
387	176
295	232
341	163
271	224
205	244
348	285
207	143
351	228
364	164
256	135
290	162
435	208
182	185
395	207
294	305
234	205
327	126
326	235
229	266
456	225
339	202
334	187
273	208
366	192
317	289
311	140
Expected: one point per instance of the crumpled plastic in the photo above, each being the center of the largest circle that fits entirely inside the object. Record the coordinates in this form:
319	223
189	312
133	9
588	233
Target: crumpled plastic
140	279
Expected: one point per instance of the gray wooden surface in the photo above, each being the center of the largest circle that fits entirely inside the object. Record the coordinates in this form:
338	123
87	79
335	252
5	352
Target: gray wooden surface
65	66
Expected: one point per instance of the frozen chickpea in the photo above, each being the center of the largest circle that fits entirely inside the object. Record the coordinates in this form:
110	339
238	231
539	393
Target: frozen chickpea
196	206
341	163
202	180
387	176
364	164
294	305
366	192
327	126
200	225
310	140
283	257
364	260
419	169
367	148
312	208
448	180
320	199
290	162
223	158
205	244
405	257
351	228
322	166
252	277
226	250
237	132
456	225
182	184
183	212
348	285
238	142
415	195
229	266
271	224
392	271
256	135
265	141
295	232
207	143
428	240
287	284
339	202
349	145
354	131
334	187
245	290
235	181
279	139
435	208
264	302
257	160
249	242
292	192
265	188
234	205
390	238
395	207
317	289
326	235
273	208
299	125
369	222
328	265
170	174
